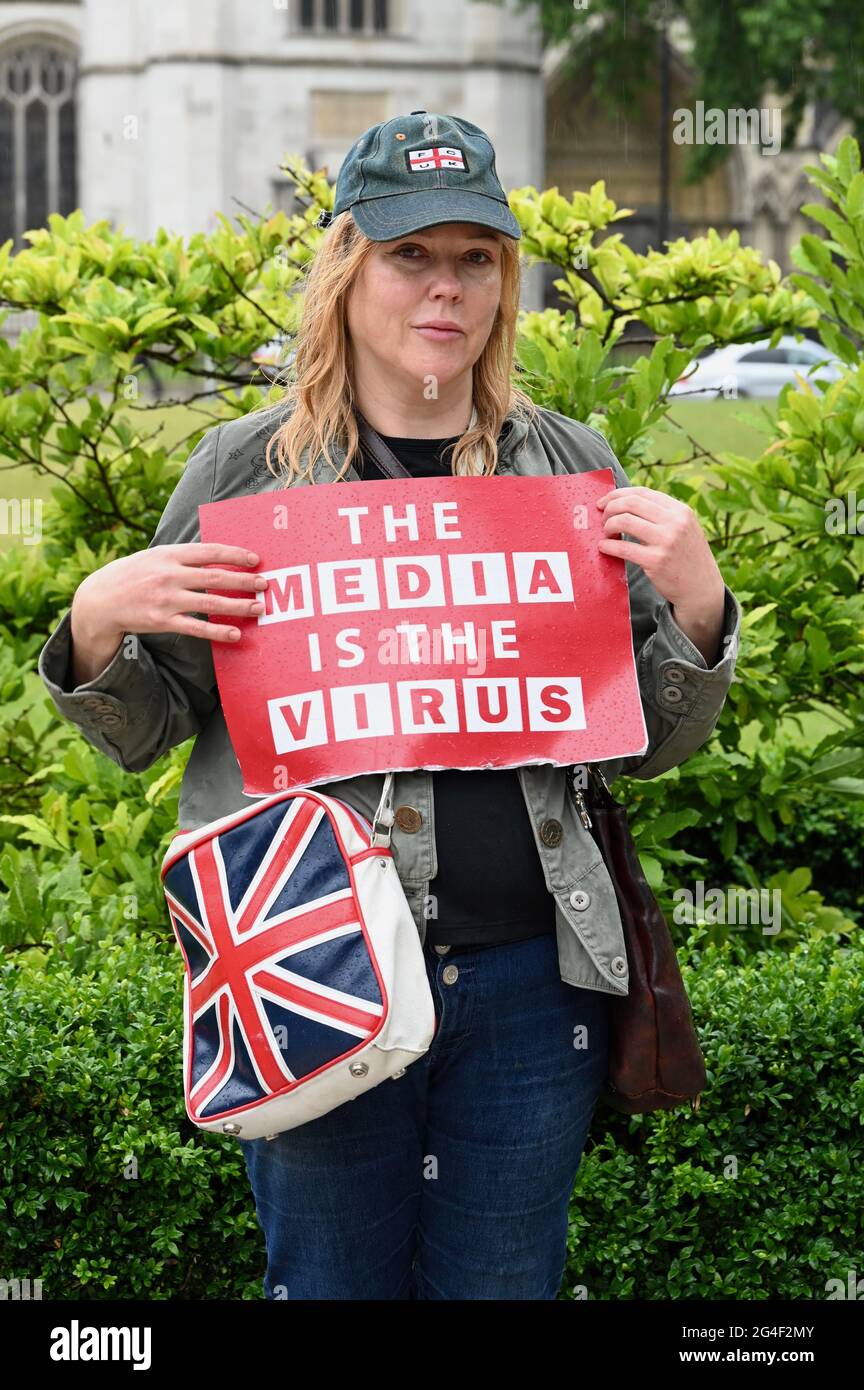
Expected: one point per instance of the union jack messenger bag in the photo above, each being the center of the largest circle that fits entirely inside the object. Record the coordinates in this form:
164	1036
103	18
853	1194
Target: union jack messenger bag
305	982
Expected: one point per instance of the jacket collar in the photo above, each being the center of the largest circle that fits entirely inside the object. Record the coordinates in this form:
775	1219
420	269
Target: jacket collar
515	433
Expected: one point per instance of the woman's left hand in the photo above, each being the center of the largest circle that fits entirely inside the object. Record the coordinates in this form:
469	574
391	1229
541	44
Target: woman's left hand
673	551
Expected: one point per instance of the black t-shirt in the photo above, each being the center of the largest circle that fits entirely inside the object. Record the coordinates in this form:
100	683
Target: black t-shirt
490	886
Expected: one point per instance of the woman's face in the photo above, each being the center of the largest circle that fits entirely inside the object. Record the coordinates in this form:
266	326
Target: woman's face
447	273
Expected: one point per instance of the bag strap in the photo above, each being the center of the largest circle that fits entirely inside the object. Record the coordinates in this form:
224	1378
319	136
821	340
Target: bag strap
381	452
391	468
601	794
385	815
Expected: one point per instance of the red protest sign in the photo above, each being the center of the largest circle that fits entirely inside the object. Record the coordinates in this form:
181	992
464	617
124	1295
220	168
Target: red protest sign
436	622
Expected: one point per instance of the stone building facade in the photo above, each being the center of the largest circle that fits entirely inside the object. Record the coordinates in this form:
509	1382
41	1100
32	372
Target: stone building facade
162	112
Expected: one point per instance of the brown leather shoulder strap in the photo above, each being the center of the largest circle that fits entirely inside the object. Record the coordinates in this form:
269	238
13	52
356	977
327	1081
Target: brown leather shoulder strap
381	452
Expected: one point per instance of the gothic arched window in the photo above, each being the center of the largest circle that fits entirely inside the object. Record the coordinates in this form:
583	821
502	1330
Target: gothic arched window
37	135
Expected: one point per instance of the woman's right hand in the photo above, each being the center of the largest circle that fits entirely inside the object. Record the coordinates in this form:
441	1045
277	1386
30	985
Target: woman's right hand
155	590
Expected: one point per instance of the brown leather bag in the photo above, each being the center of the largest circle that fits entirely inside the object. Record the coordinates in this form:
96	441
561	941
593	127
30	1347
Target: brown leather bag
655	1061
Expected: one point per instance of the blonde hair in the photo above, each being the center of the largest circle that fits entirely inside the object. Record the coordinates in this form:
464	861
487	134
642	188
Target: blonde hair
318	388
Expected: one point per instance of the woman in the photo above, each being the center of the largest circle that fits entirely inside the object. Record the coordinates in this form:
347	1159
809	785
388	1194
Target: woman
453	1181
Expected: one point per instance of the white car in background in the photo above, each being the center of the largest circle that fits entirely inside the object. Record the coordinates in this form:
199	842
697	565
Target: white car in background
741	370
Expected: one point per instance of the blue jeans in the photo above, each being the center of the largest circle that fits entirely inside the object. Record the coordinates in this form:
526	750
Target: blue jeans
453	1180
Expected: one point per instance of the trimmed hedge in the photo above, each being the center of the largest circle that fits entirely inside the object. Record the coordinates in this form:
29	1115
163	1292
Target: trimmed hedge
91	1086
758	1193
90	1081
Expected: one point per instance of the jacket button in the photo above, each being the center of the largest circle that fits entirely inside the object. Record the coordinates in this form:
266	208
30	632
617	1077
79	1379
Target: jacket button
579	899
551	832
672	694
675	675
619	966
408	818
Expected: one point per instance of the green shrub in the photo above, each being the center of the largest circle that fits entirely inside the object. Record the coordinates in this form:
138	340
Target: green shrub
825	838
659	1209
90	1080
108	1190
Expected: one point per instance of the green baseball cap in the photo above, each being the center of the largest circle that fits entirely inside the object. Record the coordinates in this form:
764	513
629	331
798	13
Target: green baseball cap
418	170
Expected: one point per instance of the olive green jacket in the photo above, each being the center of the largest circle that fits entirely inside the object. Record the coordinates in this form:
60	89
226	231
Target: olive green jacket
160	690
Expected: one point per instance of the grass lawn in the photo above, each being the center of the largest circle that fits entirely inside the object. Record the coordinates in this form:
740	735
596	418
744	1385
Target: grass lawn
717	427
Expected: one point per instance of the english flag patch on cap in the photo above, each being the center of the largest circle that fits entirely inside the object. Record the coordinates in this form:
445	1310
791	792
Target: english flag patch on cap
438	157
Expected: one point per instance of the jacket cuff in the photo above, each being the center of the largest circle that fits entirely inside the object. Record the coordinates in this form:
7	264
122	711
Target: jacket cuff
120	694
675	676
